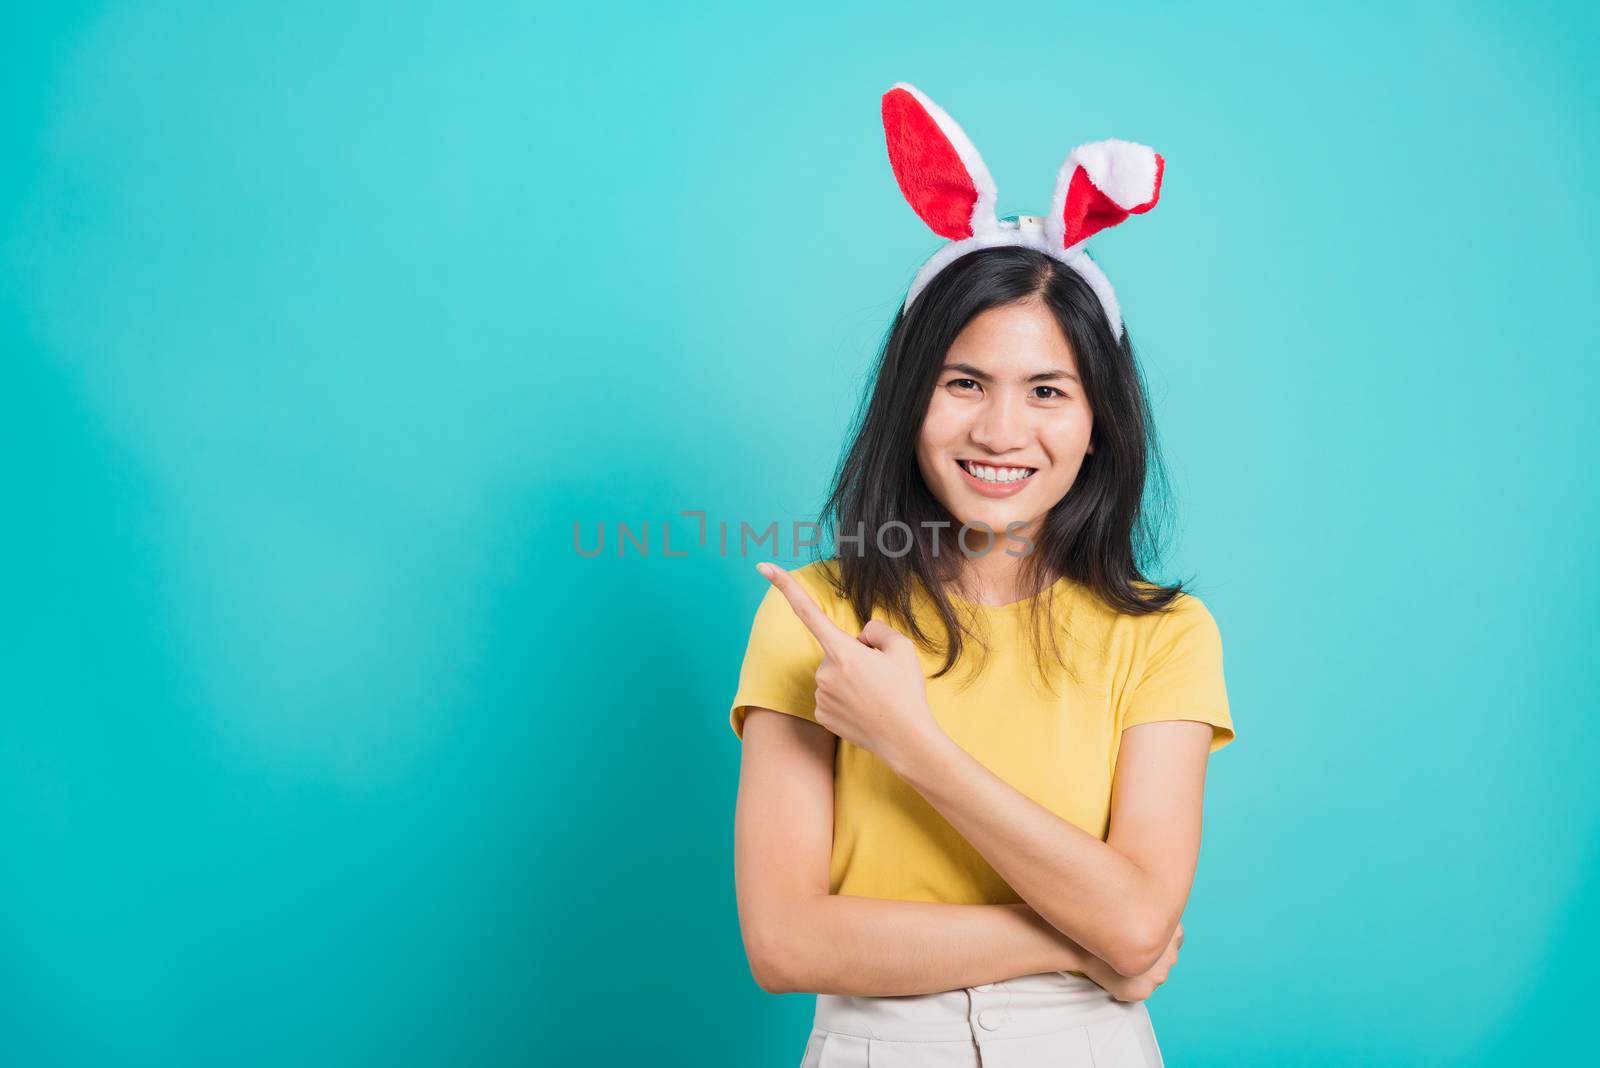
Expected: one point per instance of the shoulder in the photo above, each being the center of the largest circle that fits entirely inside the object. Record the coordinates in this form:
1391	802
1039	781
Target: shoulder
819	576
1184	628
1186	606
820	582
1183	605
1185	618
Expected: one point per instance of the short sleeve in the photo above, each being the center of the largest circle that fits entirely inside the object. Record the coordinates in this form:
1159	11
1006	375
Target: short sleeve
780	664
1182	676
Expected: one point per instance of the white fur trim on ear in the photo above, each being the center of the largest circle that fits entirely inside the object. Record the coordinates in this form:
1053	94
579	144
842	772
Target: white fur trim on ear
1079	261
1125	171
983	219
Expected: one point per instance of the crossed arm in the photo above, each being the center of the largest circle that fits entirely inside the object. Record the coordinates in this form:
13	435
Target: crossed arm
1088	902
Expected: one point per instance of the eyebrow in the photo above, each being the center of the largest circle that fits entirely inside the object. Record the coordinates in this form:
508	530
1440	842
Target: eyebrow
1042	376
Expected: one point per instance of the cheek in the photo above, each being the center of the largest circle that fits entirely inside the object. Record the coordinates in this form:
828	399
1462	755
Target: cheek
1068	439
1079	430
939	426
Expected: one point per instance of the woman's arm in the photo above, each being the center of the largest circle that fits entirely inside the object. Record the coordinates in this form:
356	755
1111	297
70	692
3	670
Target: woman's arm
799	938
1120	899
870	946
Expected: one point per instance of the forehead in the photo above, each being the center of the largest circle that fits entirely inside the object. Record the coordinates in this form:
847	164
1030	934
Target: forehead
1013	339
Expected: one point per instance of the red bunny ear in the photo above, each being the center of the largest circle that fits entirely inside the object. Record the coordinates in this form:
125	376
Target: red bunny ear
1100	185
941	174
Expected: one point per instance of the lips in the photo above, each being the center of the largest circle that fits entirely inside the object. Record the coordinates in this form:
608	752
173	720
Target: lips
995	489
996	472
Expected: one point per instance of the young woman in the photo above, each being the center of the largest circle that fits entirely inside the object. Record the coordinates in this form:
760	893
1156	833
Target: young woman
973	766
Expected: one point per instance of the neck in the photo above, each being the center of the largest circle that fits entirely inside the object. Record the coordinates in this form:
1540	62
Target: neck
994	578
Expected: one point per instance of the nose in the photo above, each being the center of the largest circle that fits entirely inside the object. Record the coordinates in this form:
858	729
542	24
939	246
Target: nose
1002	424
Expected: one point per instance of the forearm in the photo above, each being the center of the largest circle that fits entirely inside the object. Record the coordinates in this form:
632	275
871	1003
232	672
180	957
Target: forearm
841	944
1092	894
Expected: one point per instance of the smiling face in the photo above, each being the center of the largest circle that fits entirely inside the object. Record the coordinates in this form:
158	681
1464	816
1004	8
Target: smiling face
1009	423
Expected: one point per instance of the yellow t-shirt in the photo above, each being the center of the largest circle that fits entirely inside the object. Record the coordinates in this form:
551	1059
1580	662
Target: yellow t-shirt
1061	751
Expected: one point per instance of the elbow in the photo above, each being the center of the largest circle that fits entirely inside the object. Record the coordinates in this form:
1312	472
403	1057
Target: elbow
1131	963
769	977
771	965
1140	948
781	947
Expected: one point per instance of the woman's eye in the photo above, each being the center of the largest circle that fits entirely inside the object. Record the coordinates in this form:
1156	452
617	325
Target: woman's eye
968	385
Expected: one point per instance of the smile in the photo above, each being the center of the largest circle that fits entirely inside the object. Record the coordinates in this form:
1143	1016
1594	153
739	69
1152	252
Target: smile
992	481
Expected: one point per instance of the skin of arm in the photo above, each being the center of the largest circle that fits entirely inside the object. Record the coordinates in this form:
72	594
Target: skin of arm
1119	899
799	938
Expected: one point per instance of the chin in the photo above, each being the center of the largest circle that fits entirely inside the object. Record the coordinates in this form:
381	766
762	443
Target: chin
995	519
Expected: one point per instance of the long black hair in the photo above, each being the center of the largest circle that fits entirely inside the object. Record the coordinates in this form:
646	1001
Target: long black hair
1109	525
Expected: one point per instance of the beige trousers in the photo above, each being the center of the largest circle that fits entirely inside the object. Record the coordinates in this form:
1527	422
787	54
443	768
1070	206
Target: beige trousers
1048	1020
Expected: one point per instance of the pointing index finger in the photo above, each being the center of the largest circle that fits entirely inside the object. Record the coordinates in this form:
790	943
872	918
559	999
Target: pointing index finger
826	631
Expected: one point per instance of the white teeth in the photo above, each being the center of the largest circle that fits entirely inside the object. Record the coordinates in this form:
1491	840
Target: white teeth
998	475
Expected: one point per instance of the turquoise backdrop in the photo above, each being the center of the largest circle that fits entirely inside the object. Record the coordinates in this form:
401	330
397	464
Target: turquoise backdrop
323	326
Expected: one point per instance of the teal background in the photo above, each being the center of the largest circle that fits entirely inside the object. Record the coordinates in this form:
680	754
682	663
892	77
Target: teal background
323	326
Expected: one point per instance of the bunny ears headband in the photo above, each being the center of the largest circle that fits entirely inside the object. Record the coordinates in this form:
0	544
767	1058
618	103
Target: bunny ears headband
945	181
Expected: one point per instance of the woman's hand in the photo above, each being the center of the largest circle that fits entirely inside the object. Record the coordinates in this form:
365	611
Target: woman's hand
1135	987
870	689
